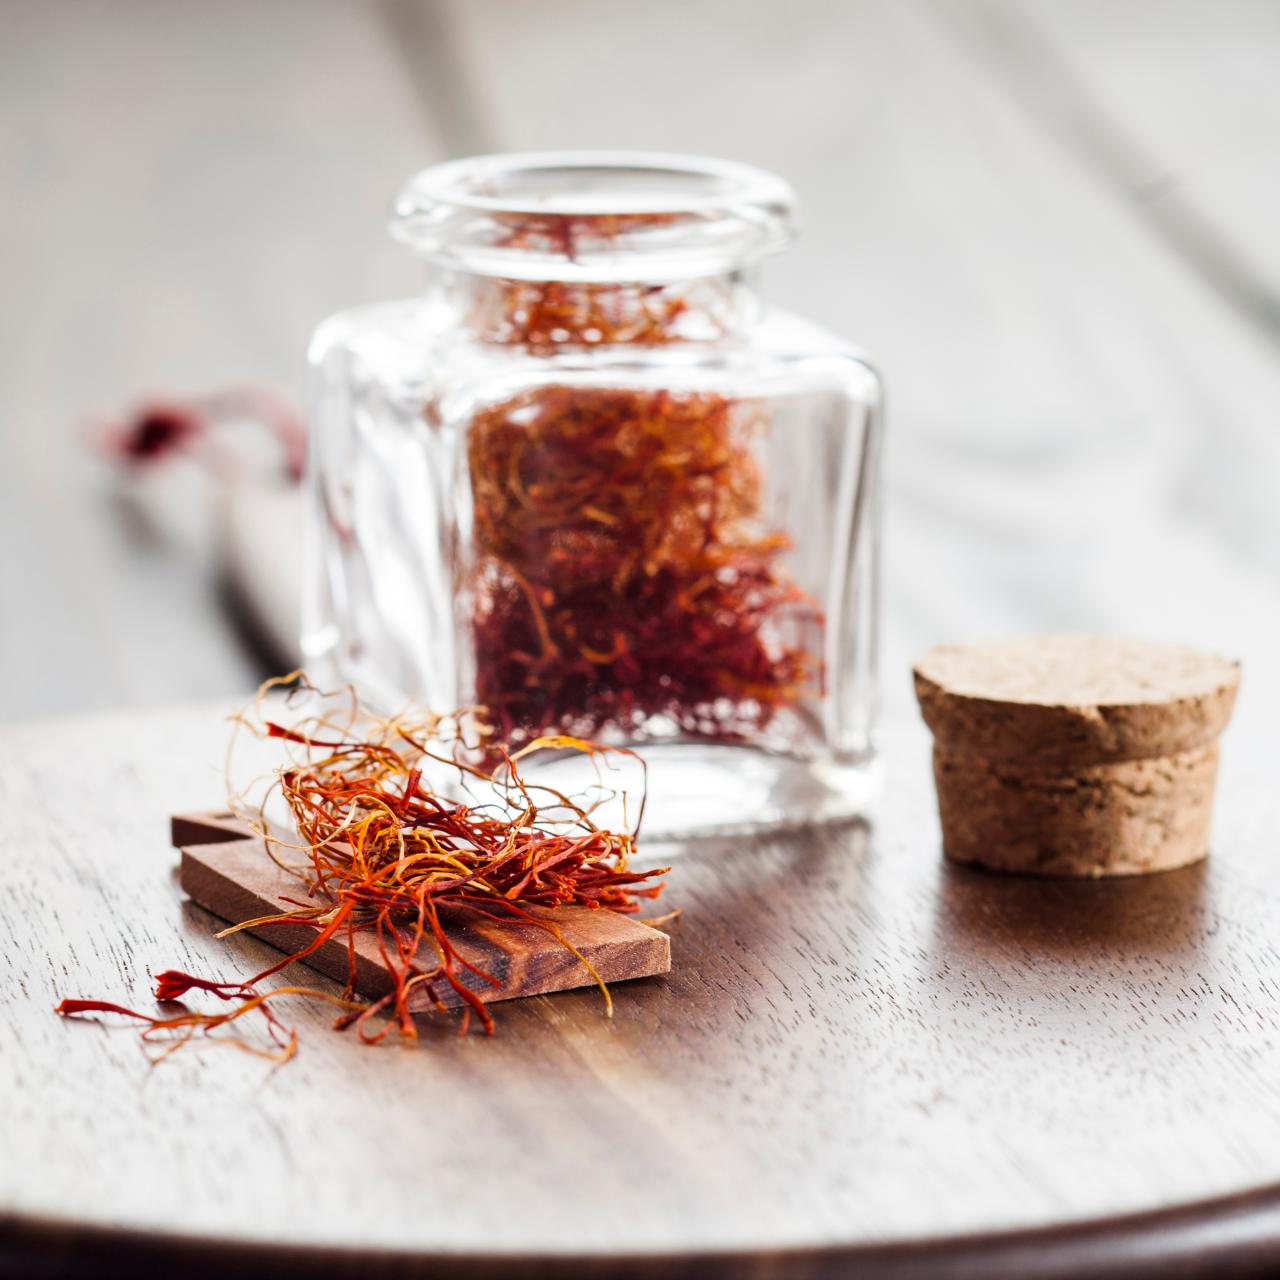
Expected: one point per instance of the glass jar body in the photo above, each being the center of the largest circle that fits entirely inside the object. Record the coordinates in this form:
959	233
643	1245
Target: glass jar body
671	547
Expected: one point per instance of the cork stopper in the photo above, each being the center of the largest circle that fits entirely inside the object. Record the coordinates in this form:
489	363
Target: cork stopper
1075	755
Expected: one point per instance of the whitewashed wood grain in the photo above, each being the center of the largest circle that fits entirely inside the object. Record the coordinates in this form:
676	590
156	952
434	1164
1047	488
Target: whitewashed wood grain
1081	432
1176	102
186	190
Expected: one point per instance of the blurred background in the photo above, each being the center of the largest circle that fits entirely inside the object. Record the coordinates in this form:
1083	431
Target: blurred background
1052	224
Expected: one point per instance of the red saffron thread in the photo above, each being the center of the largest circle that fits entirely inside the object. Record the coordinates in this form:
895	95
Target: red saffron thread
625	568
386	854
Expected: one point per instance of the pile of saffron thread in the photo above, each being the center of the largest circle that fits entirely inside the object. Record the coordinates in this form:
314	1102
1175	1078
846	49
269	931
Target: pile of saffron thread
380	851
624	565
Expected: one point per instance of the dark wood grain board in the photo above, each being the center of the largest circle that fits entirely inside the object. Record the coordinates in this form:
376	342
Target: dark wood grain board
860	1058
226	870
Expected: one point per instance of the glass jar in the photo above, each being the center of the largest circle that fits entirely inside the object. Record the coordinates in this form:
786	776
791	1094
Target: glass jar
590	481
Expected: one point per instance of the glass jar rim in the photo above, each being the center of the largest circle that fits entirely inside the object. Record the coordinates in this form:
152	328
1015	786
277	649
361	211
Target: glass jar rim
594	215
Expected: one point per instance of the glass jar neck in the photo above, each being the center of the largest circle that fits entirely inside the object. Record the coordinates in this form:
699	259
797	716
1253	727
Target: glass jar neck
549	314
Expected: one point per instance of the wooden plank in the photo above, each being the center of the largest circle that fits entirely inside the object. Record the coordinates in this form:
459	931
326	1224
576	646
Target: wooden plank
849	1030
1080	433
188	190
226	870
1173	102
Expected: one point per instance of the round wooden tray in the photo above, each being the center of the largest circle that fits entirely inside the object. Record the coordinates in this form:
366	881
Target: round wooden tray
861	1056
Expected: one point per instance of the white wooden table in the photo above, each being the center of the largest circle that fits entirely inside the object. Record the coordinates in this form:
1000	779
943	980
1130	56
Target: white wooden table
1052	224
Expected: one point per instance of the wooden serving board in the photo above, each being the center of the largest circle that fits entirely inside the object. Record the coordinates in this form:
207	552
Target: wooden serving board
864	1061
226	870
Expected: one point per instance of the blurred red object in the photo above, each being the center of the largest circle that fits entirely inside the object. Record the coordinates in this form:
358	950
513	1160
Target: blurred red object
160	428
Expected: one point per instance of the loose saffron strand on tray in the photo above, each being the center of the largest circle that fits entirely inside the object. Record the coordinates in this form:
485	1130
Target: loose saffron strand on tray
387	855
176	1031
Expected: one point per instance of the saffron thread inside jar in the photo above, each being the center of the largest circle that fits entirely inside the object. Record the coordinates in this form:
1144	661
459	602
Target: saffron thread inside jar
624	568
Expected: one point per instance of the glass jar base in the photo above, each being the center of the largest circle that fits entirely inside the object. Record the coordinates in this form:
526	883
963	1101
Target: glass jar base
699	789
